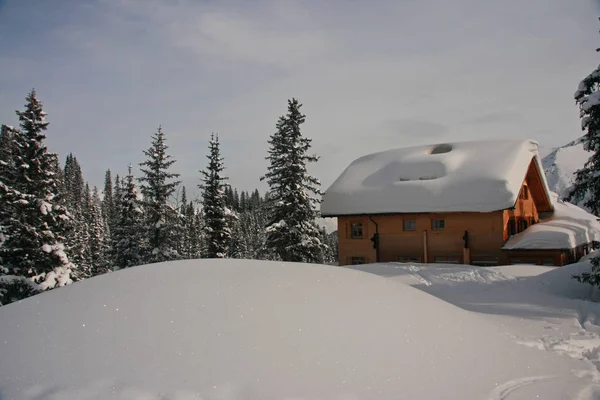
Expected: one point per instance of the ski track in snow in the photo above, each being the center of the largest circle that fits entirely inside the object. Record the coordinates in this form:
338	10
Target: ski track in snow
503	391
583	345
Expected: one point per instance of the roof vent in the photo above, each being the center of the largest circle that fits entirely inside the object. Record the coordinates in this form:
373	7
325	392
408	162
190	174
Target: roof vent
440	149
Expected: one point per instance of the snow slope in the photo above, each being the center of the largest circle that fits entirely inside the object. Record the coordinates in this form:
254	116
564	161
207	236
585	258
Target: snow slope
561	164
569	227
434	178
233	329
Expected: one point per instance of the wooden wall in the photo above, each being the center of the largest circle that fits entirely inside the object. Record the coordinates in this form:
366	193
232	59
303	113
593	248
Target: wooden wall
525	208
485	236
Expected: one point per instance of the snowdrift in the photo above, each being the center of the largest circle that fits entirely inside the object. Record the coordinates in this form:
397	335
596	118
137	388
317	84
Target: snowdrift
232	329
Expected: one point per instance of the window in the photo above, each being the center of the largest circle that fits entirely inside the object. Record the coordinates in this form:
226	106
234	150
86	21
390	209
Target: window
437	224
512	227
357	260
404	259
356	230
547	261
409	225
484	261
447	259
524	193
522	225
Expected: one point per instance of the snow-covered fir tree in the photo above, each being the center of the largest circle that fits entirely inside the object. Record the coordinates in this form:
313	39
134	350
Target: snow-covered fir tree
292	233
7	175
191	235
197	240
78	237
217	216
127	235
108	201
34	220
12	287
157	186
330	256
238	246
99	237
7	167
587	180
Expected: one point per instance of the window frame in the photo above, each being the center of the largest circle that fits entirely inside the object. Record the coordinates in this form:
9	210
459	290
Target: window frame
446	260
358	260
408	260
522	225
414	223
439	227
352	231
512	226
485	261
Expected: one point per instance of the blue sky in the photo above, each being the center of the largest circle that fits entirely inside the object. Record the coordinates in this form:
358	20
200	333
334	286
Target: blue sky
372	75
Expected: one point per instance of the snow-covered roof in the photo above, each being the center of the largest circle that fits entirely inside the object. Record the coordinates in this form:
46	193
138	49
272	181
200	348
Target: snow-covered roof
569	227
477	176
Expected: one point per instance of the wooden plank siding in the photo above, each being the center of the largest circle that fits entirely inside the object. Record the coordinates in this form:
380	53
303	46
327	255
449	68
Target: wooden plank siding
525	209
485	236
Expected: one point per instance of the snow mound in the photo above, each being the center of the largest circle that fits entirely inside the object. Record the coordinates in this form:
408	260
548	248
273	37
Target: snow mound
233	329
434	178
560	282
569	227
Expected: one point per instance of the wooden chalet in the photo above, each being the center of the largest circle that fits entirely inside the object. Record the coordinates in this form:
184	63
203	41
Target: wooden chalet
452	203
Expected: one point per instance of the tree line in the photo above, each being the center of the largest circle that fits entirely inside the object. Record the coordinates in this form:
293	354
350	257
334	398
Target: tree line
55	229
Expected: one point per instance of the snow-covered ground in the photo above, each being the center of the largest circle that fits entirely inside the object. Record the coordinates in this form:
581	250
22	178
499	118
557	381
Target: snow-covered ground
233	329
538	307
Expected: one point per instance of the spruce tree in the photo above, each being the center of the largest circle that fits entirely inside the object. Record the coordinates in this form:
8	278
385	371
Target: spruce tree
587	180
243	201
184	222
236	201
216	214
34	220
127	236
292	233
12	287
157	187
7	167
99	238
196	231
108	203
78	238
